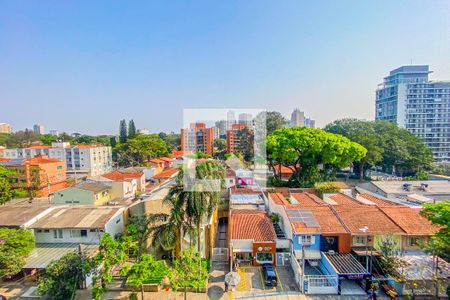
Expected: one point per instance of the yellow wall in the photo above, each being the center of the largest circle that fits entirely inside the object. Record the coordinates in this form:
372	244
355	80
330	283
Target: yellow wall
102	197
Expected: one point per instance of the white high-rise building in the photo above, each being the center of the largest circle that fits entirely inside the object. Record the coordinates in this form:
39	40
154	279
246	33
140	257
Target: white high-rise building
143	131
298	119
39	129
408	98
54	132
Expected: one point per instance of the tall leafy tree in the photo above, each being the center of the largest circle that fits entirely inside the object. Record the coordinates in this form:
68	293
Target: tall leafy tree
138	150
362	132
246	144
64	276
123	131
15	246
6	191
22	139
131	129
304	149
439	214
188	271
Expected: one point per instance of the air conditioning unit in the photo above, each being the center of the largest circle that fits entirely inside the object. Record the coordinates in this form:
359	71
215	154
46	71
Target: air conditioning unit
331	252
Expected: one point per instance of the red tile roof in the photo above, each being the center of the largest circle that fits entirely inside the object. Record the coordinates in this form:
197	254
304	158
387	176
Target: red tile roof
169	173
119	176
327	219
306	199
40	160
38	147
278	198
342	199
248	191
251	225
410	220
378	201
2	159
358	216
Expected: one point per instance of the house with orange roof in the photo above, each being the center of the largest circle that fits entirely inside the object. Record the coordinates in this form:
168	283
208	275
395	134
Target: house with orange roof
45	175
252	238
283	172
166	175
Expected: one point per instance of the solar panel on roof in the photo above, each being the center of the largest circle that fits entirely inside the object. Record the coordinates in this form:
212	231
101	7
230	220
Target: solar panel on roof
303	216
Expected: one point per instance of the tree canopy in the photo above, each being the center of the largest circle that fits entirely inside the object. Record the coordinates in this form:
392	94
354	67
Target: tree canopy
131	129
304	149
136	151
15	245
439	213
388	146
6	191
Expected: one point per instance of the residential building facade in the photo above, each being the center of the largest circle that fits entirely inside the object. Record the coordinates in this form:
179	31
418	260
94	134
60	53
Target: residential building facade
197	138
90	160
408	98
5	128
43	174
234	138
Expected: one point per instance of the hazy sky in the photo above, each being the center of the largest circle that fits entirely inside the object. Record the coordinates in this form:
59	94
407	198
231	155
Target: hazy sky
81	66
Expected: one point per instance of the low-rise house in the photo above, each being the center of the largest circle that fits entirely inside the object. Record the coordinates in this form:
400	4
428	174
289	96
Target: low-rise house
45	175
86	193
128	174
282	171
22	216
252	237
246	198
166	175
245	177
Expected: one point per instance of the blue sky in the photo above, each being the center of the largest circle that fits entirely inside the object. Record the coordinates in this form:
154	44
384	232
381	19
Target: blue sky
81	66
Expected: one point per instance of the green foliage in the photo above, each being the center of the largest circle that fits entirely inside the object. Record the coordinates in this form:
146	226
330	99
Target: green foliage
325	188
3	138
15	245
147	270
275	218
420	175
138	150
133	296
123	131
131	130
199	155
138	229
273	120
172	140
63	276
245	146
189	271
389	259
6	191
220	144
387	145
439	213
22	139
47	139
304	149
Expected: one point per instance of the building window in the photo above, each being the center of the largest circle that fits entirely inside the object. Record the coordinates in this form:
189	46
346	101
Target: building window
413	241
262	257
83	233
57	233
75	233
306	239
359	240
59	168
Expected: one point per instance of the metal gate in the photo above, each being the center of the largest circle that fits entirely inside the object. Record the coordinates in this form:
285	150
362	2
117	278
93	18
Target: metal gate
220	254
283	258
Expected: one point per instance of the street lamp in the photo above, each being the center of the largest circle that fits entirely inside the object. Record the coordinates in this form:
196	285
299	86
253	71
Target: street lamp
365	229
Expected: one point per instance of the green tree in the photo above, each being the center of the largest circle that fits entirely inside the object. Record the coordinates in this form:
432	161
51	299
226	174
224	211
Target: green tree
363	133
220	144
273	120
123	132
131	129
22	139
3	138
138	150
439	213
6	191
173	140
65	137
304	149
147	270
63	276
139	229
47	139
245	145
189	271
15	246
110	252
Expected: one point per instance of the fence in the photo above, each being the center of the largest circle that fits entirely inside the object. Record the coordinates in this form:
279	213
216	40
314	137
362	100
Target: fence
321	284
220	254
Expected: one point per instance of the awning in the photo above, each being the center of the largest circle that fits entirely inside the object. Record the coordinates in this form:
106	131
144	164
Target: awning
309	254
44	254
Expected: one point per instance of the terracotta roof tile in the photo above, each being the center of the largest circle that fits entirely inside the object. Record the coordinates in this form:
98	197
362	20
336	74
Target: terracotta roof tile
378	201
251	225
248	191
169	173
278	198
342	199
410	220
356	217
120	176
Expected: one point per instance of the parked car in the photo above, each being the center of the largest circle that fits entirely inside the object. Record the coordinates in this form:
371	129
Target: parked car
269	275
